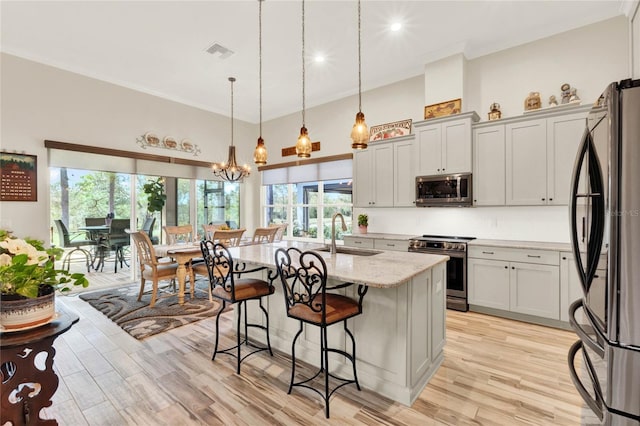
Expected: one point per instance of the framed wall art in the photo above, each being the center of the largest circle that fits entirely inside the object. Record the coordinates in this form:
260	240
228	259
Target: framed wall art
443	109
390	130
18	177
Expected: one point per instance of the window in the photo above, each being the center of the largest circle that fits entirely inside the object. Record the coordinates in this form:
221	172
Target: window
308	207
218	202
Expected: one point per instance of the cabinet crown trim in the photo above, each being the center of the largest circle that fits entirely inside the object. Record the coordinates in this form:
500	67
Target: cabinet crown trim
473	116
541	114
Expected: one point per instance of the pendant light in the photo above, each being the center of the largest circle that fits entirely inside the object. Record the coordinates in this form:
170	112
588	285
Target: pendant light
360	132
230	171
303	146
260	153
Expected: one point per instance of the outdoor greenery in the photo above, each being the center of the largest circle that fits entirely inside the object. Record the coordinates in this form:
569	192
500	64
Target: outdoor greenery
156	198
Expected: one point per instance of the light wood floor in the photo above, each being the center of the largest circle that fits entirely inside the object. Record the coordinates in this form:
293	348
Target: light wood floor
495	372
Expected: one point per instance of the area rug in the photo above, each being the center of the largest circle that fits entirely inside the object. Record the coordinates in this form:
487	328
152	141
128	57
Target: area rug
121	306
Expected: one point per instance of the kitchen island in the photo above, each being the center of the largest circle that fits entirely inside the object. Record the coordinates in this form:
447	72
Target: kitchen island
400	335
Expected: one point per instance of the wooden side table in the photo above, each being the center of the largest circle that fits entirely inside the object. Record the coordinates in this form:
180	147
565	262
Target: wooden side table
28	379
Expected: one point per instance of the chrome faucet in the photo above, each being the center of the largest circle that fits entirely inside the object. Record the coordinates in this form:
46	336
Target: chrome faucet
332	250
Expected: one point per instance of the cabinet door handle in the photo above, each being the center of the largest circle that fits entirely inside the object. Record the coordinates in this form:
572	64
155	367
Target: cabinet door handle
357	242
543	199
564	258
391	245
506	267
536	257
487	252
550	199
596	276
513	267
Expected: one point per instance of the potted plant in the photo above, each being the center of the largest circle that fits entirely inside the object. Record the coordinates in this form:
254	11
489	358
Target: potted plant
363	222
156	197
28	281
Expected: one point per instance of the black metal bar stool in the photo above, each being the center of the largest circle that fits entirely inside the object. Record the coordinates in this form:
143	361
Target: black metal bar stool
226	285
304	283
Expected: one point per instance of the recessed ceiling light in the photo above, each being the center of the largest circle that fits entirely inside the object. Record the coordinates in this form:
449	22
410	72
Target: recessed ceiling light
319	58
396	26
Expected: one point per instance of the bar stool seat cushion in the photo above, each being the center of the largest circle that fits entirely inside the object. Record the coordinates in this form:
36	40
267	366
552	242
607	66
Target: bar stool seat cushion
246	288
338	308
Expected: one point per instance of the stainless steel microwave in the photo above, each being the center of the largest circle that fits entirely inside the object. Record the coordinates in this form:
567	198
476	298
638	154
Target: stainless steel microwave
452	190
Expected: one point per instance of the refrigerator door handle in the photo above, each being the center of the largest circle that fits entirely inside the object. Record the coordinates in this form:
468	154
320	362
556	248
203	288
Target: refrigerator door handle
587	159
597	403
582	334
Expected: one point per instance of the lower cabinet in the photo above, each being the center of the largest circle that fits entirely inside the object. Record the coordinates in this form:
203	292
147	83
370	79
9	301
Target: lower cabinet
498	279
376	243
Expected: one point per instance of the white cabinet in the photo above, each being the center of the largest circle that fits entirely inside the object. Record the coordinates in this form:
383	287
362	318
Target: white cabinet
488	282
376	243
534	289
373	173
404	178
383	174
444	145
570	287
564	134
489	166
539	157
526	162
515	280
362	242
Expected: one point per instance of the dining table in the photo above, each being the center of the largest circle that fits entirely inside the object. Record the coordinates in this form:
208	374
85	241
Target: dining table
97	233
183	254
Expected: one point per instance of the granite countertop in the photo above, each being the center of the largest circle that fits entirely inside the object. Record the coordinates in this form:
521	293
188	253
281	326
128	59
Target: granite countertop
387	269
537	245
382	236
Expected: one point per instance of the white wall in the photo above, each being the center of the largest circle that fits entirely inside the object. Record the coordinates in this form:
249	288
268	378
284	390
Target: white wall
587	58
505	77
444	80
40	102
635	41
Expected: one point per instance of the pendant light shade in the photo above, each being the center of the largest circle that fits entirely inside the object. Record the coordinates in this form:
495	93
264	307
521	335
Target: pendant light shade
303	145
230	171
260	153
359	132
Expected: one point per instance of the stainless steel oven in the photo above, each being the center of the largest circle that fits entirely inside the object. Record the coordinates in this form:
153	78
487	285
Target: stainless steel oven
456	249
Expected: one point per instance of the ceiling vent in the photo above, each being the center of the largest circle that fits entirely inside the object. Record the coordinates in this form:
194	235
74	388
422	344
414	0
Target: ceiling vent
217	49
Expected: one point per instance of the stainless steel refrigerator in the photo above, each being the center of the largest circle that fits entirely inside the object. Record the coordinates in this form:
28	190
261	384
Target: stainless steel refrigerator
605	235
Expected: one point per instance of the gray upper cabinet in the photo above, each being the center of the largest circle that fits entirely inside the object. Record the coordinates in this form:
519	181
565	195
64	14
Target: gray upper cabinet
444	144
527	160
489	166
383	174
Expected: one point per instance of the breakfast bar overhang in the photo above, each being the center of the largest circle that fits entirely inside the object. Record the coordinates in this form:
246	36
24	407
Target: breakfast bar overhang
401	332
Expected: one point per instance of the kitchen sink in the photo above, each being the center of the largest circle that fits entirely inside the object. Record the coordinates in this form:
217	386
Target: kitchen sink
352	251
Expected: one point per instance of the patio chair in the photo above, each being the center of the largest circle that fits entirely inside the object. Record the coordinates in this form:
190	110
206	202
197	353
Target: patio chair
71	240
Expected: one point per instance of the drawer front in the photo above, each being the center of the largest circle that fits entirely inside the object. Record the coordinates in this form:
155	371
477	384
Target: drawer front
395	245
542	257
358	242
487	252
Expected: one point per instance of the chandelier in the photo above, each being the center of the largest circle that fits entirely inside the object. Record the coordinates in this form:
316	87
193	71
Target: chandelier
230	171
303	146
260	153
359	132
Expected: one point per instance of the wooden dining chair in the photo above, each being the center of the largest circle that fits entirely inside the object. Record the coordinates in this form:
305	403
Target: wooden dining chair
264	235
209	230
150	268
229	237
179	234
282	229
